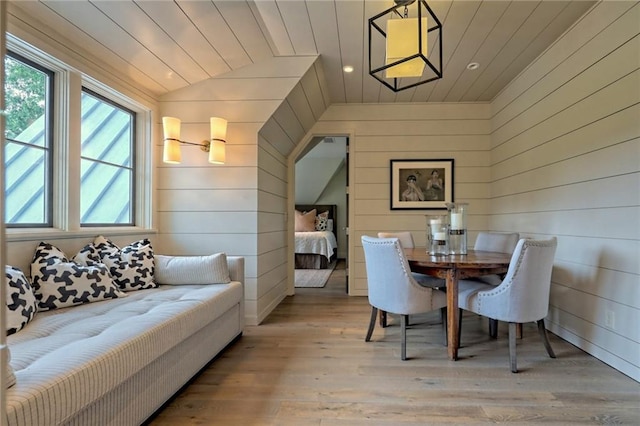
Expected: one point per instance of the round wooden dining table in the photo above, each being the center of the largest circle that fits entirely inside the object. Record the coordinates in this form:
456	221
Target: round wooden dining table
452	268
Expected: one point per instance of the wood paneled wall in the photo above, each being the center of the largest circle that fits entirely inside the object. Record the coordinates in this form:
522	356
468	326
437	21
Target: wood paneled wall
565	161
240	207
381	132
556	153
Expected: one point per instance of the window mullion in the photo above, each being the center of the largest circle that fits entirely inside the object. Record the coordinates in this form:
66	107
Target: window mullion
70	174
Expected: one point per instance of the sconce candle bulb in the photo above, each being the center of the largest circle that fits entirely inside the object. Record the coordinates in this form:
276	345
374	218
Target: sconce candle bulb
171	153
217	152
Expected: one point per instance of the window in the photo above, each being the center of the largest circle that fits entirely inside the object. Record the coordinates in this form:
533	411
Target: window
28	133
73	157
107	162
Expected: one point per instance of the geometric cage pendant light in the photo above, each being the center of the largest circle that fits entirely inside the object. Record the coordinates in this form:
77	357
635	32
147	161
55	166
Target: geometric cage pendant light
407	61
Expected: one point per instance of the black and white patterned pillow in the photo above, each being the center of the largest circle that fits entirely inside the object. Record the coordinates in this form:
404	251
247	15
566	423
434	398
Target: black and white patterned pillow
321	221
131	267
59	282
21	301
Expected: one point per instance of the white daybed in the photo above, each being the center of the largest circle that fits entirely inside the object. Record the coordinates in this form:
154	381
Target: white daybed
116	362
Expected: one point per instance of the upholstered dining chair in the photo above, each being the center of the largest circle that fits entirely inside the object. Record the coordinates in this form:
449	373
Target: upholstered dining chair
405	237
523	295
393	289
502	242
406	240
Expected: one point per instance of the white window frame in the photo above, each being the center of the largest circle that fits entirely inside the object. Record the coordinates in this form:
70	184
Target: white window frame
68	83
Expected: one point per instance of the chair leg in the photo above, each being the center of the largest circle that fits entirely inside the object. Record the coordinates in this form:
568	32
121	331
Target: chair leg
403	337
383	319
543	333
493	328
512	347
372	323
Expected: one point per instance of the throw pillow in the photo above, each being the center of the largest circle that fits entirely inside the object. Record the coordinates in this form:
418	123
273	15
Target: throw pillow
178	270
131	267
59	282
21	302
329	225
305	222
321	221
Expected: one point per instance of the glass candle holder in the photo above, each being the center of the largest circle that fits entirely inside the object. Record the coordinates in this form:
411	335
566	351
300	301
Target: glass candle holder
458	227
437	235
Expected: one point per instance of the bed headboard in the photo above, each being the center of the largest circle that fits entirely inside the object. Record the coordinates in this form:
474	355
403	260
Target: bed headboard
331	208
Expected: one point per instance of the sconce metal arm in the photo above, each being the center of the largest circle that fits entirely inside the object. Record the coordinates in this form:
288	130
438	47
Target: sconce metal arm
204	145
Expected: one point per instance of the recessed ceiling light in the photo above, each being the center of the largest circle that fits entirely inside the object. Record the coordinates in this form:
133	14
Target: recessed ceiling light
347	68
473	66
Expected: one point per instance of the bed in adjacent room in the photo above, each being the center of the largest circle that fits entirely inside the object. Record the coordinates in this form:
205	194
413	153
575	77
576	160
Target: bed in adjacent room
315	236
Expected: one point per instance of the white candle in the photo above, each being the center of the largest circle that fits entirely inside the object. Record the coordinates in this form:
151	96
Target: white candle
456	221
440	236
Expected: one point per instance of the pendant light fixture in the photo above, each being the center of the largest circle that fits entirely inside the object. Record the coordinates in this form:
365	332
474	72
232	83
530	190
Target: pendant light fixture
407	62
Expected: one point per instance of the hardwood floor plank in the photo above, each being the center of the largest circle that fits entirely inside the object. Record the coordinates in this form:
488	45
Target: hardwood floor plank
308	364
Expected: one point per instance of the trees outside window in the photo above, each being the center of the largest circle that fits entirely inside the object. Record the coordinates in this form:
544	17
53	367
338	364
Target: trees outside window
105	153
28	134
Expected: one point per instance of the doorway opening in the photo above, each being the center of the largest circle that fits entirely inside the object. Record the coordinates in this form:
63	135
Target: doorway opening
321	182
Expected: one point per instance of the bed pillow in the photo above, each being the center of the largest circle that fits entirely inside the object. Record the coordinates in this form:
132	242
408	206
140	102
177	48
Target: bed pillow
177	270
131	267
305	222
59	282
322	220
21	301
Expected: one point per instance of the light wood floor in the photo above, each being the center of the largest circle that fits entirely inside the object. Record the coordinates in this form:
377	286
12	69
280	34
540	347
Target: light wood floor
308	364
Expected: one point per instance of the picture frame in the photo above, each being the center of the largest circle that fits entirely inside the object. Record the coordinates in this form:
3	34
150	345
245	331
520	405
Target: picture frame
421	184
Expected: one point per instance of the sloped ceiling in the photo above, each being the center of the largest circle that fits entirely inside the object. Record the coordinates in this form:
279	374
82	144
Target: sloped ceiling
167	45
317	167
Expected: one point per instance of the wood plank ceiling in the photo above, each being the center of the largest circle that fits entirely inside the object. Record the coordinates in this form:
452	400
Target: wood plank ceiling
166	45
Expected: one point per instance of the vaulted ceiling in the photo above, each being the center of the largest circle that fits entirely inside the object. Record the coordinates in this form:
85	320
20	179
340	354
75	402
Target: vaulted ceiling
165	45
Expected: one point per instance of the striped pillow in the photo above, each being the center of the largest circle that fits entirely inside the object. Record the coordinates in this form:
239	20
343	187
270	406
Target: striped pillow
178	270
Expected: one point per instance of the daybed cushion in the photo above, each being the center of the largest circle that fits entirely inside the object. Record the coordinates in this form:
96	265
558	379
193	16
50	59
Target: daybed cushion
59	282
179	270
21	301
9	375
68	358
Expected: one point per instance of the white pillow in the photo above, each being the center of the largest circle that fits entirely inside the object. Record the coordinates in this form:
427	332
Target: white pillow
329	225
177	270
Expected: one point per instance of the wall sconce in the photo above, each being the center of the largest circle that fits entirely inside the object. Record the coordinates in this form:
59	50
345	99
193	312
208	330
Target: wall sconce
215	146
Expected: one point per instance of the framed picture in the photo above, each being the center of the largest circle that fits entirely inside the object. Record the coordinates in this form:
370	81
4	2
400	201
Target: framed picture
421	184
